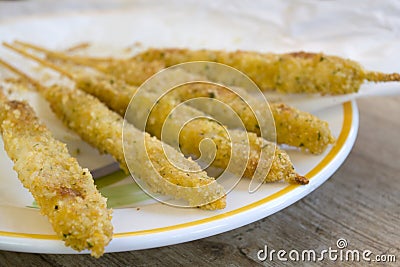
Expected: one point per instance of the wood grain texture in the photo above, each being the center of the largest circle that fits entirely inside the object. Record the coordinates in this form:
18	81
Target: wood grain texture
360	203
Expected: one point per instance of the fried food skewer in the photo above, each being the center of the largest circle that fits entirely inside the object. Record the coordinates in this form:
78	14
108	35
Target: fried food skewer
116	94
103	129
293	127
64	191
297	72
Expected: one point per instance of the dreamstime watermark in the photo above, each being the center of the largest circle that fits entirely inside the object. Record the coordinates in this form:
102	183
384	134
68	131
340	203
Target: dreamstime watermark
339	253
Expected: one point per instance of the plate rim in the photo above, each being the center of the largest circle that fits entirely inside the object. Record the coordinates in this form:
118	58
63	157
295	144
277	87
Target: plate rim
49	243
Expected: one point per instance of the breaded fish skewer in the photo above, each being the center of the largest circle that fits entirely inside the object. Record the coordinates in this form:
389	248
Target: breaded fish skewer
64	191
116	94
293	127
298	72
103	129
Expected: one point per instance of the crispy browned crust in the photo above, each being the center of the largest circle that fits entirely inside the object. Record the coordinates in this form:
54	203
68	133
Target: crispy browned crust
298	72
293	127
114	92
295	72
117	95
301	180
103	128
65	192
301	129
103	90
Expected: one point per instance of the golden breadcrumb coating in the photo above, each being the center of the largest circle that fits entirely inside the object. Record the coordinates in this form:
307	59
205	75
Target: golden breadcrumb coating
103	128
117	96
293	127
114	92
298	72
304	130
64	191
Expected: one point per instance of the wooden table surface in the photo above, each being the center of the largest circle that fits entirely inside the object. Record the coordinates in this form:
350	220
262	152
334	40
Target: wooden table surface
359	203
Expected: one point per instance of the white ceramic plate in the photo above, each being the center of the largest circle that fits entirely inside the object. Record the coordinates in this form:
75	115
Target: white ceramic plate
148	224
